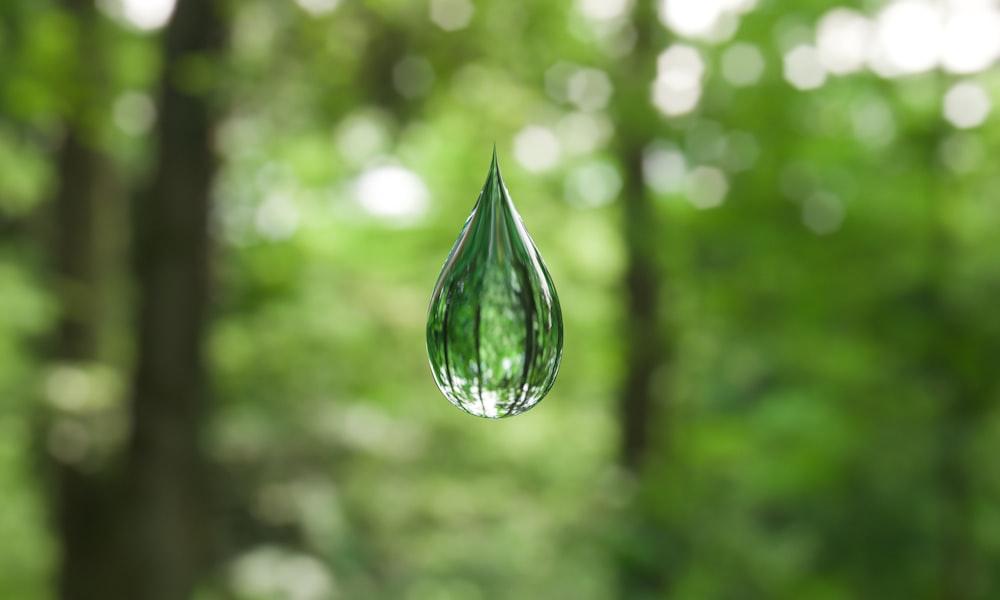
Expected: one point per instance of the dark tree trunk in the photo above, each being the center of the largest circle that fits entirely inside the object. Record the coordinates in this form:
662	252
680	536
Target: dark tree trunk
81	498
170	538
956	366
76	255
647	350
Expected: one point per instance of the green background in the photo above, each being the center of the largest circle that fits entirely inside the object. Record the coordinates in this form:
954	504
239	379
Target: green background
814	368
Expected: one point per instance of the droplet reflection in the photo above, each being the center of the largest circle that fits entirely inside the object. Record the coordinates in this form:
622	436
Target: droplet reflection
494	327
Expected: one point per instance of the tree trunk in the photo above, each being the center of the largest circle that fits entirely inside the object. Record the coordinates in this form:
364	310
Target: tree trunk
963	386
647	350
645	347
81	498
170	538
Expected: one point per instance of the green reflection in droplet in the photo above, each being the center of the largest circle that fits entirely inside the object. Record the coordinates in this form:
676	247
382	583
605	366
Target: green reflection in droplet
494	328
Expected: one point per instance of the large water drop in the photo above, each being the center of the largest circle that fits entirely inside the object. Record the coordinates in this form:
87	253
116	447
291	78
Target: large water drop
494	328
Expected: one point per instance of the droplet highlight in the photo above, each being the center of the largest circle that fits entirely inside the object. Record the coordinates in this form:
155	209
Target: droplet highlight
494	327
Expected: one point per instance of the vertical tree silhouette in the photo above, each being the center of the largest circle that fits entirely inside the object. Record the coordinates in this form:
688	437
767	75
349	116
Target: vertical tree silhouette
953	366
646	344
82	499
170	533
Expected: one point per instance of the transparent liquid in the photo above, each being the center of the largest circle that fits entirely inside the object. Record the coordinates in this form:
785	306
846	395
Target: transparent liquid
494	328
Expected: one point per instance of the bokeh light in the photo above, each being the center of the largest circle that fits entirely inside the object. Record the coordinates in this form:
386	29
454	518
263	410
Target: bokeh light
677	87
907	39
664	169
842	39
714	20
451	15
144	15
966	105
392	193
602	10
318	7
742	64
537	148
706	187
592	184
802	68
134	112
971	39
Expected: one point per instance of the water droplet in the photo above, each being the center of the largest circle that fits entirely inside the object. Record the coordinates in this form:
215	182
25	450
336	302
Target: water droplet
494	328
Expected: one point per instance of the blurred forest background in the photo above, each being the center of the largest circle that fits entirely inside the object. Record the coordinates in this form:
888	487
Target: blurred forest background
772	226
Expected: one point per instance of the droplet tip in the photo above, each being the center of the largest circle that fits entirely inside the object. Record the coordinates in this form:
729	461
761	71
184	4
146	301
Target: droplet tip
494	163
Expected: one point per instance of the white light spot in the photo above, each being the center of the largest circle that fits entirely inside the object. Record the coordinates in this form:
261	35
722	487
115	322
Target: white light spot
677	88
706	187
907	39
582	133
392	193
69	388
361	138
742	64
714	20
681	66
823	213
842	40
674	101
803	69
971	40
134	113
739	6
664	169
536	148
147	14
451	15
592	184
365	427
708	19
272	572
966	105
318	7
602	10
278	217
413	76
589	89
690	17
